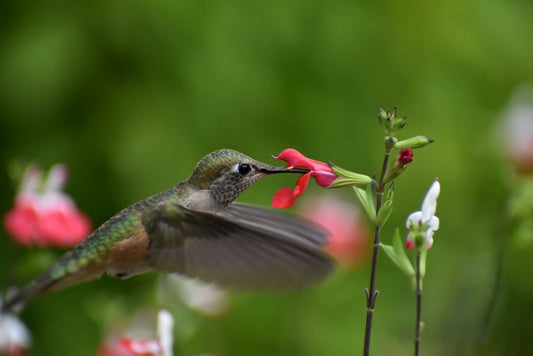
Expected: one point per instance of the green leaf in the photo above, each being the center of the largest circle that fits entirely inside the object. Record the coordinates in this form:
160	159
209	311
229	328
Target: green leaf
397	254
384	213
366	202
386	208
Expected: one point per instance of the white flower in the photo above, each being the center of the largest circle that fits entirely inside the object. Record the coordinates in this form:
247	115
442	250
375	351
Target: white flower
206	298
426	216
13	334
164	332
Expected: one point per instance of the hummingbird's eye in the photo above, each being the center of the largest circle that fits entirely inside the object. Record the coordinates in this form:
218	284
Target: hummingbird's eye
244	169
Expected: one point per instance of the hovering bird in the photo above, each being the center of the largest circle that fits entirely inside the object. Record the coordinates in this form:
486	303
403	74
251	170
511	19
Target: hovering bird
193	229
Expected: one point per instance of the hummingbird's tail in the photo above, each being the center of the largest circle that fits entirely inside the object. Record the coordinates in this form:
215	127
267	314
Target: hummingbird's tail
67	271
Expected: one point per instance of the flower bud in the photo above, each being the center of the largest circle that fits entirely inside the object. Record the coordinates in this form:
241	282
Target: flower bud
390	122
393	113
382	116
390	142
414	142
404	158
398	124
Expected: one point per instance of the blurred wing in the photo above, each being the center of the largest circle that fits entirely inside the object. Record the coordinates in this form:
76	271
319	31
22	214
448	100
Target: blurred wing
294	228
241	247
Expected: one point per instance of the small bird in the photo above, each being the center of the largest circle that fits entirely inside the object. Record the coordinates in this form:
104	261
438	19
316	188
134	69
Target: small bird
193	229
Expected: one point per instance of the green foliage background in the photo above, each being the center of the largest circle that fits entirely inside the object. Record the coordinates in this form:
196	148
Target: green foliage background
130	94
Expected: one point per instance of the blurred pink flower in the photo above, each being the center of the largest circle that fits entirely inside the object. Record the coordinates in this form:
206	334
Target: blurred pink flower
348	239
43	214
162	346
517	129
320	171
129	347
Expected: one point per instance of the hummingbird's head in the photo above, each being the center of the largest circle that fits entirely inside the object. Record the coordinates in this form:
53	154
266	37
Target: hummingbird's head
227	173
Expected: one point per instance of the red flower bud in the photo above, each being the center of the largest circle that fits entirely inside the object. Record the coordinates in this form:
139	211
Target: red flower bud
404	157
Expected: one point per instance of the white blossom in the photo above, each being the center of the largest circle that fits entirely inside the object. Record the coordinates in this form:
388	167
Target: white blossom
425	216
14	335
164	332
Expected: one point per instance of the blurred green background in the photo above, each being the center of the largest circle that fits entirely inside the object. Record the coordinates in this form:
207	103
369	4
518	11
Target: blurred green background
131	94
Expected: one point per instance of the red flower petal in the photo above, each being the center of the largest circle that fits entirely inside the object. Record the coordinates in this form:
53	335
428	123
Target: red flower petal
286	197
321	171
409	242
323	178
296	159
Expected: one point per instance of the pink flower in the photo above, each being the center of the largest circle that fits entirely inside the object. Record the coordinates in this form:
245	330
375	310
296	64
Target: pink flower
517	129
348	239
320	171
129	347
46	217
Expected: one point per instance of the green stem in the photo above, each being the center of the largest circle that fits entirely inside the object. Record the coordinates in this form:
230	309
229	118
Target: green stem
501	233
371	292
418	293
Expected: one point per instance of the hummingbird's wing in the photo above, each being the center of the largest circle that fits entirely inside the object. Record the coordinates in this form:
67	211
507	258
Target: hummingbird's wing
295	228
241	246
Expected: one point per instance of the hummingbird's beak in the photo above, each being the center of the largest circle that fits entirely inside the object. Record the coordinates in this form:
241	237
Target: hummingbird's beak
276	169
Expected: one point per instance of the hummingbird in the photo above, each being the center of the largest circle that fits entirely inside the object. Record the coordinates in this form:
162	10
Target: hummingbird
195	230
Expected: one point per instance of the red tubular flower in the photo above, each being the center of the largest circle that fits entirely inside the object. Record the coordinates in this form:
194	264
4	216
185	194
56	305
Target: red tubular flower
320	171
46	217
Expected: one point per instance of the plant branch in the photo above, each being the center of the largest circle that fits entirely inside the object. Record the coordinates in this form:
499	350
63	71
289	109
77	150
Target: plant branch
501	234
418	293
371	292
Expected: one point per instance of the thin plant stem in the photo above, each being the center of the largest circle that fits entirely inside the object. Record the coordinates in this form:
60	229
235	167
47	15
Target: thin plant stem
371	292
418	293
501	234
